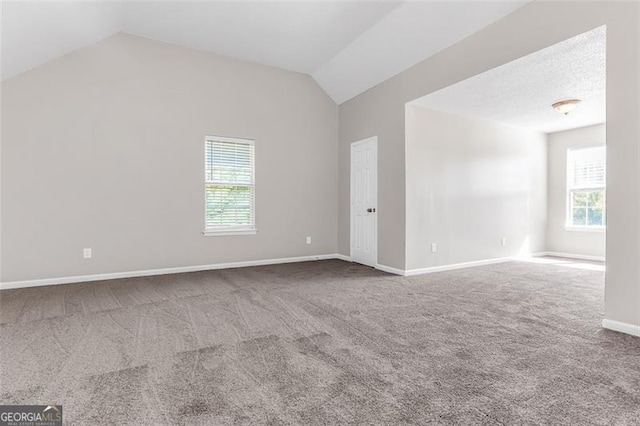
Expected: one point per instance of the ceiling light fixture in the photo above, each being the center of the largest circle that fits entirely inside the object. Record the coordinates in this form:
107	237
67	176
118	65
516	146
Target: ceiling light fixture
565	107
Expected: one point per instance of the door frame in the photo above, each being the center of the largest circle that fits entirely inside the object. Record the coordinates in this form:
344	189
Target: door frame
355	144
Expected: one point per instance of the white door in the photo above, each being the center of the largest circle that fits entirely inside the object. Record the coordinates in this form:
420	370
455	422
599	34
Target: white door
364	200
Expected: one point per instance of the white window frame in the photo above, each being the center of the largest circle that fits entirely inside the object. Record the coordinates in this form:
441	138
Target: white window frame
232	230
569	226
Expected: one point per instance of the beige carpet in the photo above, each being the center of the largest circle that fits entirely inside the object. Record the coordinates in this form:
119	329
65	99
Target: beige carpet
323	343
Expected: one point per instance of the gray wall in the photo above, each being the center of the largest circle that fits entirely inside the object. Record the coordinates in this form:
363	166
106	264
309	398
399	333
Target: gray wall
376	113
559	239
470	183
104	148
380	111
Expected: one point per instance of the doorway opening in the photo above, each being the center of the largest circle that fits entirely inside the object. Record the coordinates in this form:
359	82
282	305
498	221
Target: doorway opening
495	171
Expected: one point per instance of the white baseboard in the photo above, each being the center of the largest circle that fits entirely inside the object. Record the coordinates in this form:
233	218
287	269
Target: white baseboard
391	270
344	257
570	256
622	327
378	266
197	268
454	266
163	271
451	267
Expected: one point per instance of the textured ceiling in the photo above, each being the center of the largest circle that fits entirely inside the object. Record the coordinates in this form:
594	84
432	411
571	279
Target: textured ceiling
347	46
521	92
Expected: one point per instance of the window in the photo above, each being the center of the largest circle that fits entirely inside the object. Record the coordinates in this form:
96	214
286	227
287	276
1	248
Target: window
229	186
586	180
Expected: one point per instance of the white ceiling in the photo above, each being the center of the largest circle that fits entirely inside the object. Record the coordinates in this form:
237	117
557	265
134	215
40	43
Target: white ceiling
406	36
34	33
294	36
347	46
521	92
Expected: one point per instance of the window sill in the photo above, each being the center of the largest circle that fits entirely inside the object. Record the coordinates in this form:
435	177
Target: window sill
222	233
585	228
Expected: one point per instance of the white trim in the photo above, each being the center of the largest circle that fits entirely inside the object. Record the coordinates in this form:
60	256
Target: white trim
365	140
231	230
163	271
391	270
622	327
224	233
344	257
450	267
570	256
197	268
214	138
374	140
570	188
454	266
570	228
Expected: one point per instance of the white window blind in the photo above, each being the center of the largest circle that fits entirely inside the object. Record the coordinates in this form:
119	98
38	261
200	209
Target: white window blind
586	183
587	167
229	185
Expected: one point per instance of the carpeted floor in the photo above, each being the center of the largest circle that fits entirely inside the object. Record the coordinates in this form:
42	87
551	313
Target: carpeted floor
323	343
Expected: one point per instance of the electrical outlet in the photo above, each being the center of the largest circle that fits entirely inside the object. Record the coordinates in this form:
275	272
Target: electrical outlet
503	241
434	248
308	240
86	253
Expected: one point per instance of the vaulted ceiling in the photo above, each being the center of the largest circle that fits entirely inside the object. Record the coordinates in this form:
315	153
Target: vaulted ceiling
346	46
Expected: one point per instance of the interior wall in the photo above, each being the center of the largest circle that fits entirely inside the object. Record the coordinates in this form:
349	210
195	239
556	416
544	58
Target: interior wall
470	183
380	111
559	239
376	116
104	148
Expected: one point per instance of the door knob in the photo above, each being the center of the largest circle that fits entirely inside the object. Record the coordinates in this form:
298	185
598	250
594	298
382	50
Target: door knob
371	210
